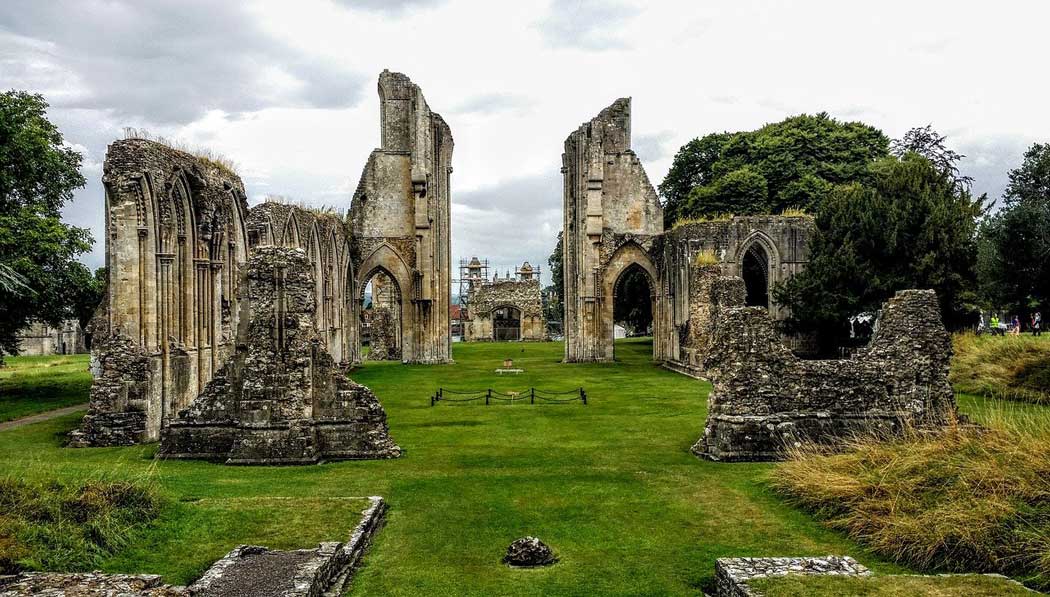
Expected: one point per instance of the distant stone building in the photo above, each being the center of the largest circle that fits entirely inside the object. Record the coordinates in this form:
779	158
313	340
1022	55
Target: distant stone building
39	338
508	309
613	224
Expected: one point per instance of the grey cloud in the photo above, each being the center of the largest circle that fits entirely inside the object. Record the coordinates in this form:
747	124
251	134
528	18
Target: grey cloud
389	6
653	146
989	160
492	103
165	62
586	24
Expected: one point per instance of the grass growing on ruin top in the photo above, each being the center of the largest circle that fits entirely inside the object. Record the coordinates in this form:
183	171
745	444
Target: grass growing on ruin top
610	486
1010	367
35	384
888	586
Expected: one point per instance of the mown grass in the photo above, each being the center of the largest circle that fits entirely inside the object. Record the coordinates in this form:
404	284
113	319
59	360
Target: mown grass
70	525
888	586
961	500
610	486
34	384
1008	368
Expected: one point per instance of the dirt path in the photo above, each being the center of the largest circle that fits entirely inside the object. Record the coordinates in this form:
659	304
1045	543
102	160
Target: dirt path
44	416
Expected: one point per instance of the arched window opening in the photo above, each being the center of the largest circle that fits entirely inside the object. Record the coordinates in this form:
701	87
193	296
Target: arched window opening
381	317
633	303
506	324
755	271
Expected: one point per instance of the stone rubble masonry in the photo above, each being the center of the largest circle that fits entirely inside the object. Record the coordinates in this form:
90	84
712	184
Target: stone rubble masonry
382	340
733	574
400	217
523	295
174	245
709	292
280	399
246	570
765	399
326	239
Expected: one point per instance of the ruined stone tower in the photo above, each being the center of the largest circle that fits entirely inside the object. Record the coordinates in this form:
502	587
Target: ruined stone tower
612	218
400	217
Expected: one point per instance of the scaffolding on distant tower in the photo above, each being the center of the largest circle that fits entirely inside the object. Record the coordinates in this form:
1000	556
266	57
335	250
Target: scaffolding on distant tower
472	273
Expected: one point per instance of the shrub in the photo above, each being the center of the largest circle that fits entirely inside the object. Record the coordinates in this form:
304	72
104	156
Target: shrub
965	499
69	526
1011	368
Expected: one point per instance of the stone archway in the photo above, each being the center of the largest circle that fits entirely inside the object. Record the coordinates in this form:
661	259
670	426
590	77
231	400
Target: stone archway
386	261
757	264
629	256
507	323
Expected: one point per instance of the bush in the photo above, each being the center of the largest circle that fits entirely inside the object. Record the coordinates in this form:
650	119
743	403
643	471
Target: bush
69	526
1010	368
961	500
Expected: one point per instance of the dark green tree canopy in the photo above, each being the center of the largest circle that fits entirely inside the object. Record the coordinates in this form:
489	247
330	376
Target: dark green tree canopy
1031	181
38	175
789	164
1013	258
911	226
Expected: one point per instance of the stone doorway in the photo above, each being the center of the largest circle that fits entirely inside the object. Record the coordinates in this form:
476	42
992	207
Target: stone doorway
506	324
381	317
755	272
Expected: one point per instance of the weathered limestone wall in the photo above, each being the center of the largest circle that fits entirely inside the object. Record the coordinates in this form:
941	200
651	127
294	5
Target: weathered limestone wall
612	219
523	295
175	241
709	293
325	237
765	398
400	217
280	399
687	251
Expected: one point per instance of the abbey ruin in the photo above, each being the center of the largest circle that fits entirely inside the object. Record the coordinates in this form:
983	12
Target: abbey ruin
613	223
179	234
503	309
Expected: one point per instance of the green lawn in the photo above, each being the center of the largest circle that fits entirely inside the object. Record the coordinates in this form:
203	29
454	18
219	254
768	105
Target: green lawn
610	486
30	385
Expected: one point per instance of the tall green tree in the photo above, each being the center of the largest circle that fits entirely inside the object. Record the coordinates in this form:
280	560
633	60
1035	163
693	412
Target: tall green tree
38	175
911	226
1030	182
556	291
789	164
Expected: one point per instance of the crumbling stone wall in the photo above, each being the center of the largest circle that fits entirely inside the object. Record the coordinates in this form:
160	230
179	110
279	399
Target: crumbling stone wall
764	398
280	399
174	244
709	293
523	295
383	336
612	218
401	220
325	237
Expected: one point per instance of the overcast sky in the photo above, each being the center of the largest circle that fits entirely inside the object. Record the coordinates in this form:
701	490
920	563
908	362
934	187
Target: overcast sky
288	89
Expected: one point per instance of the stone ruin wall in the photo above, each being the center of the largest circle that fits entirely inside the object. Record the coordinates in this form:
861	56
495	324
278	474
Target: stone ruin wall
178	232
325	237
612	217
175	243
523	295
686	255
765	399
280	399
400	217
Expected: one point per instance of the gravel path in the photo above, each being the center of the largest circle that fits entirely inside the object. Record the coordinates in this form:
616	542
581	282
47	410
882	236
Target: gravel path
44	416
268	573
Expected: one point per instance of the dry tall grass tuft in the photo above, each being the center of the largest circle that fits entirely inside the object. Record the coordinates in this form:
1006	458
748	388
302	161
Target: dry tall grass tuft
705	258
702	220
795	212
204	155
966	499
1010	368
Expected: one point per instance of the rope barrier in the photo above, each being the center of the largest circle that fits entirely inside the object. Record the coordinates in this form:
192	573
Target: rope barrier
547	396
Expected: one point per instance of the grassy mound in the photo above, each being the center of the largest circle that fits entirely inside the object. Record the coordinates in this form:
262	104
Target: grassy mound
34	384
961	501
971	585
69	526
1011	368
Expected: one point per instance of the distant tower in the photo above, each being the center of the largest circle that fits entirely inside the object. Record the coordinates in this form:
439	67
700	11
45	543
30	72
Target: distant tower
525	272
474	278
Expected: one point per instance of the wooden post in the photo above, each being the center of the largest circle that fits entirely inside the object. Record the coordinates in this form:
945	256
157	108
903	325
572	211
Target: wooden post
532	397
487	396
583	396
